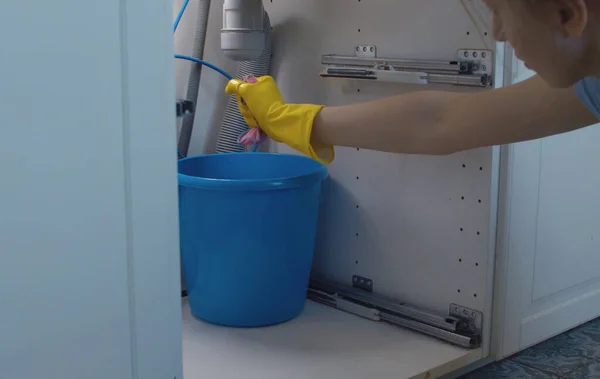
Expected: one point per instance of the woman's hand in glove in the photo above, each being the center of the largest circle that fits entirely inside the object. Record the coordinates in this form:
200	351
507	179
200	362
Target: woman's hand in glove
262	106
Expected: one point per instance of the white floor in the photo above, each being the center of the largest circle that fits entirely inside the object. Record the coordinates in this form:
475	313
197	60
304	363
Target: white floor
321	343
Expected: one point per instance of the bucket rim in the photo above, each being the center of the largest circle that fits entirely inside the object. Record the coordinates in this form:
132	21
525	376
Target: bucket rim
285	182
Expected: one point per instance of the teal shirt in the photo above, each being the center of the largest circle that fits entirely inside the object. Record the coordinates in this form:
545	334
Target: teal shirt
588	90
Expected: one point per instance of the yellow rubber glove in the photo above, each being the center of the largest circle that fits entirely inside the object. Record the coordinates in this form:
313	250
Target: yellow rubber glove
262	106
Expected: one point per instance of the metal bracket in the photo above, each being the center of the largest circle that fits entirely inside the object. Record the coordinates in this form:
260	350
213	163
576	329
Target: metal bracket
184	108
464	331
471	320
365	51
482	60
365	284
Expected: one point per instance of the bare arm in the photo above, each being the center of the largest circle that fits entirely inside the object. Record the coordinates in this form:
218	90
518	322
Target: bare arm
432	122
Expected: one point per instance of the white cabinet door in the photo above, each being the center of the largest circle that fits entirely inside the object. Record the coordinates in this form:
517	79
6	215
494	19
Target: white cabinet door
89	277
548	270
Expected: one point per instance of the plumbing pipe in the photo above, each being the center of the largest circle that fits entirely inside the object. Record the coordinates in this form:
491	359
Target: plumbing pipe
242	35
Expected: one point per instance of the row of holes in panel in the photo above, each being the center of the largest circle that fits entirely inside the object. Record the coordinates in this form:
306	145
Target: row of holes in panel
468	32
460	260
462	197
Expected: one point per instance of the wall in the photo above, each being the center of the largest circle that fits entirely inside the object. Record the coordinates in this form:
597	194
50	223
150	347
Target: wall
398	219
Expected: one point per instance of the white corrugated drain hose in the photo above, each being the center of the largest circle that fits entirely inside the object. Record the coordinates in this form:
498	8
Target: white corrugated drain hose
233	125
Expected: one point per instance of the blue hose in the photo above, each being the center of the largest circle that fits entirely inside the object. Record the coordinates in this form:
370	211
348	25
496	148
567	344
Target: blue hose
177	20
209	65
180	14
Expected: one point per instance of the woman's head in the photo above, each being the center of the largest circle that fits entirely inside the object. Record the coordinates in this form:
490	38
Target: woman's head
559	39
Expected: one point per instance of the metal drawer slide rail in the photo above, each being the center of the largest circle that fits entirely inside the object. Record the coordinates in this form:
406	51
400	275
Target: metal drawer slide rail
471	68
463	327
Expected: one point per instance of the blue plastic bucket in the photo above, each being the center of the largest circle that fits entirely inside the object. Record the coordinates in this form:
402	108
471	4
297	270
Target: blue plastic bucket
248	223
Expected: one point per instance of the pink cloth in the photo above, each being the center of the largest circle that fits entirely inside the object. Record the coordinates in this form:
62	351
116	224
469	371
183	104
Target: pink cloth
254	136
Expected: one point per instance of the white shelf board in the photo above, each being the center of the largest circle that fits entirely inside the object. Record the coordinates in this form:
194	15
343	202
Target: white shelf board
322	343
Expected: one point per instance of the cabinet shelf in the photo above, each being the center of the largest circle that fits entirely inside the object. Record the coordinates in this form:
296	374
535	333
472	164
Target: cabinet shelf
321	343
